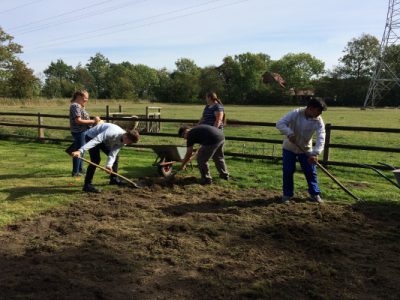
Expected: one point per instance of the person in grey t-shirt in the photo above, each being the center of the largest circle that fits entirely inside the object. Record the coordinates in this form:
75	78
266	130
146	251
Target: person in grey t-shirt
79	121
212	142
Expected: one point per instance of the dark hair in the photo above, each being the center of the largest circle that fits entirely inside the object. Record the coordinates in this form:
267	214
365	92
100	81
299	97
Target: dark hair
213	96
79	93
317	103
133	135
182	130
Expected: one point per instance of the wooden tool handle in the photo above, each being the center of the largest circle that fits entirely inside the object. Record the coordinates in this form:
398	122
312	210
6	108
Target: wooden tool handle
110	172
332	177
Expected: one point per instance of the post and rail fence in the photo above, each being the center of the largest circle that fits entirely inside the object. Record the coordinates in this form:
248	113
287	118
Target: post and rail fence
325	159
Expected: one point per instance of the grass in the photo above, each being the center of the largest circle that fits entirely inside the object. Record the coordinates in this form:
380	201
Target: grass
35	176
386	118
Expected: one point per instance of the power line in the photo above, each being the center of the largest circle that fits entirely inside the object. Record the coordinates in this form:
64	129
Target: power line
57	16
137	20
143	25
19	6
84	13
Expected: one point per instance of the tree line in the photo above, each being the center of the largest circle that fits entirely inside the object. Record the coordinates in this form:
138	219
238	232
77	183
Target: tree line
238	79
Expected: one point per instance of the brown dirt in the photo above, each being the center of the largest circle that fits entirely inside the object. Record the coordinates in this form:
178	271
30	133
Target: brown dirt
186	241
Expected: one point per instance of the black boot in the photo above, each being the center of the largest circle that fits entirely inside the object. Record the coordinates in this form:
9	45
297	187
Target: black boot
90	188
117	181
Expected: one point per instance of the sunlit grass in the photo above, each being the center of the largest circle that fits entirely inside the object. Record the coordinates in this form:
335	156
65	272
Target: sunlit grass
35	177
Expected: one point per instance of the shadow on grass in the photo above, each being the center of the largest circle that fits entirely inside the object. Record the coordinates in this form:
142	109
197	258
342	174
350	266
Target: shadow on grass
19	192
38	174
221	206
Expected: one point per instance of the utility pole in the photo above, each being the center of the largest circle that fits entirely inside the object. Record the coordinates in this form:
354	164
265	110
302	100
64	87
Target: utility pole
384	79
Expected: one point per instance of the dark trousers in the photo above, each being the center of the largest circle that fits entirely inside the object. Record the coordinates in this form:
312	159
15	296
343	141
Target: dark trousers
95	158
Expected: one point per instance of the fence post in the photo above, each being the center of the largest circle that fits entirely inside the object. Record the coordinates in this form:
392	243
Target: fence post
120	108
107	113
328	130
40	130
147	122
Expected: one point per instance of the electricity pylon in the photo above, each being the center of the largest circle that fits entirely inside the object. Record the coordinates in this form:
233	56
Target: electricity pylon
384	79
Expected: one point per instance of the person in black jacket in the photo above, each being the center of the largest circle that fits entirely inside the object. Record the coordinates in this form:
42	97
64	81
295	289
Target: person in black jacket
211	140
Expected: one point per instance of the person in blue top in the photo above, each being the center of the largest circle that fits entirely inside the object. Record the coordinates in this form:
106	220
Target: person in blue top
109	138
213	113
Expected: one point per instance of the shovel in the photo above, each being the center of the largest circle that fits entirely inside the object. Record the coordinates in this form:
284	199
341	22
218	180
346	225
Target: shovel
70	149
332	177
133	184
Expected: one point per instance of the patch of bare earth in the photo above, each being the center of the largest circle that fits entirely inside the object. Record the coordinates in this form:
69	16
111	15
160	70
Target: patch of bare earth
193	242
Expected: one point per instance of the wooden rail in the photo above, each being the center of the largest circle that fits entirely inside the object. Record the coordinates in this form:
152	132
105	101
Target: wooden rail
328	127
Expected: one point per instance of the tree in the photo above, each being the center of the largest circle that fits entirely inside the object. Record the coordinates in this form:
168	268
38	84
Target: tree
185	81
298	69
392	58
8	52
21	82
359	58
99	66
242	75
145	79
163	91
211	79
16	79
119	84
60	76
83	79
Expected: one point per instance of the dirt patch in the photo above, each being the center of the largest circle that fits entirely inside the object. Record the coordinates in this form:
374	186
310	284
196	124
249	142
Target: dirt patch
193	242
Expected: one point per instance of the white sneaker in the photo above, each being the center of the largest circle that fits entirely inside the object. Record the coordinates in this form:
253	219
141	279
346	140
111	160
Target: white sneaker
316	198
285	199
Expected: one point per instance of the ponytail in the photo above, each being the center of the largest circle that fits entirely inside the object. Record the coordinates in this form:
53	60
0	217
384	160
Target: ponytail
213	96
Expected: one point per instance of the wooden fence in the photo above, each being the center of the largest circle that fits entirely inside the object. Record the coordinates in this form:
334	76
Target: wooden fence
325	159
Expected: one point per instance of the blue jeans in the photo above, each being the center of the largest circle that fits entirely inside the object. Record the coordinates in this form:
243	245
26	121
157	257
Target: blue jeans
289	167
79	141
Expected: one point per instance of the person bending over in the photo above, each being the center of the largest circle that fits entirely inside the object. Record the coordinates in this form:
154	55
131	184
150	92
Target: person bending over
109	138
211	140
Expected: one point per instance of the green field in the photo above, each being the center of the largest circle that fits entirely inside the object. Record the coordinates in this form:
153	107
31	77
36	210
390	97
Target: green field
386	118
35	176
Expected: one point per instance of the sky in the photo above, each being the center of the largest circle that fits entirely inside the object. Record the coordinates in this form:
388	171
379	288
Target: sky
157	33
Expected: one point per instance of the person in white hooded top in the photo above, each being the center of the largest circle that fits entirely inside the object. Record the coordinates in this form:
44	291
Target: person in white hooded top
299	127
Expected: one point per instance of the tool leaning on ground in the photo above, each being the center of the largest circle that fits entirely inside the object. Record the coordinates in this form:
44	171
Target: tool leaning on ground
69	150
332	177
133	184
